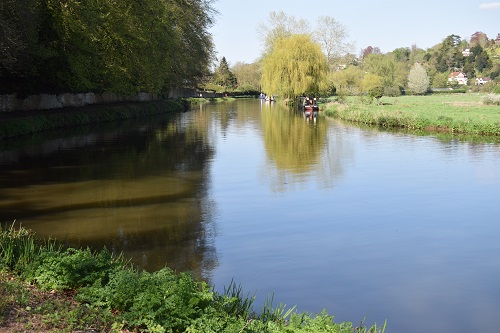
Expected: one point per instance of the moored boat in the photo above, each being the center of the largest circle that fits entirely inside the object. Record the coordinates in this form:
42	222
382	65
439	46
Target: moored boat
310	107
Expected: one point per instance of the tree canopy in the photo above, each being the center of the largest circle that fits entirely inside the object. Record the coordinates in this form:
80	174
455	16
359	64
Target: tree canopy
117	46
223	76
295	66
418	80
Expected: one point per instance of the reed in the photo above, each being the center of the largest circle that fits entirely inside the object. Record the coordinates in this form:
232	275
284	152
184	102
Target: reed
19	247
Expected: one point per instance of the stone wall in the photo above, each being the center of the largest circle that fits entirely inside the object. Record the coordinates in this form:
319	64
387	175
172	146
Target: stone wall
9	103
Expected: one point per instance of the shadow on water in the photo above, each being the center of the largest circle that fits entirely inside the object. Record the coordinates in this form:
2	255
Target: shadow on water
137	187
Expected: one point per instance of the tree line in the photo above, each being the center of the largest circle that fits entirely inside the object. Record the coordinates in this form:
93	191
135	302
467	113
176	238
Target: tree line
120	46
300	59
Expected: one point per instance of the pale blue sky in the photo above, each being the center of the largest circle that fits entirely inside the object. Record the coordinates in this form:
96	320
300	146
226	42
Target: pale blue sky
387	24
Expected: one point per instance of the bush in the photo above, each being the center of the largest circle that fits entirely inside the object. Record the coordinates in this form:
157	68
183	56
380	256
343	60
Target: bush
159	301
393	91
491	99
71	269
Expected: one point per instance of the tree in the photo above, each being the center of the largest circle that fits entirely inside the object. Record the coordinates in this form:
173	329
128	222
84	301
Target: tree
280	26
116	46
416	54
418	80
295	66
393	73
248	75
448	55
223	75
372	84
347	81
401	54
370	50
19	21
371	81
331	35
479	38
482	62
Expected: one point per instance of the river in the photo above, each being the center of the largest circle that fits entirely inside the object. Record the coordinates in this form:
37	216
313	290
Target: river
362	222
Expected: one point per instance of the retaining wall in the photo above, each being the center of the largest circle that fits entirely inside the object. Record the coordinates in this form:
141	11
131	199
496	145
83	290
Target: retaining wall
9	103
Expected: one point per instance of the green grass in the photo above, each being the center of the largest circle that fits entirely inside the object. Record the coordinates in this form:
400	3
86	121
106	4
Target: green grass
450	113
46	288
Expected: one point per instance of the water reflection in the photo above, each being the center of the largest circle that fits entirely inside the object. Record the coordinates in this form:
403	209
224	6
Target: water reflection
399	227
300	150
137	189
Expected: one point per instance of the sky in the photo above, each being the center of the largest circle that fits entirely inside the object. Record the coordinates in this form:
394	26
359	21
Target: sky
387	24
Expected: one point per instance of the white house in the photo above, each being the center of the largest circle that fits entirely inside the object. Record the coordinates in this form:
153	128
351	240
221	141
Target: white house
457	77
482	80
466	52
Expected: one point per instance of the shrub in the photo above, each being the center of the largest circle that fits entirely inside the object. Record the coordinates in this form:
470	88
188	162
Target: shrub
71	269
160	301
392	91
491	99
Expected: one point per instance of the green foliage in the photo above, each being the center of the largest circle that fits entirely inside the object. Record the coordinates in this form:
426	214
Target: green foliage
234	303
276	314
295	66
462	114
71	268
248	76
115	46
370	82
19	247
385	66
162	301
376	92
223	76
347	81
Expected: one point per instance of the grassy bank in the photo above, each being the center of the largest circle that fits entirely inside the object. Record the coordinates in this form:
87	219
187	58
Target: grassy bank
450	113
46	288
27	122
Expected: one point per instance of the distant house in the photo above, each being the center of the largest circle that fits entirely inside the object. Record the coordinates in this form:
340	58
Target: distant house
497	40
457	77
482	80
466	52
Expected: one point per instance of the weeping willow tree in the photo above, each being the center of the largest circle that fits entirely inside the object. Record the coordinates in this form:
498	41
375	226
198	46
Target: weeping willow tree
295	66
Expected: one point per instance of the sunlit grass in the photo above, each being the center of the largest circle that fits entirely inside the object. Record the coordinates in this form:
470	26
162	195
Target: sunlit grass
454	113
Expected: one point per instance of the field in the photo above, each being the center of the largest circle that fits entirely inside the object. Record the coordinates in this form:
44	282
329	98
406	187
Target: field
448	113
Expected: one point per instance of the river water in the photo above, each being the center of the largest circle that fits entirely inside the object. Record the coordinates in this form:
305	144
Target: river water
361	222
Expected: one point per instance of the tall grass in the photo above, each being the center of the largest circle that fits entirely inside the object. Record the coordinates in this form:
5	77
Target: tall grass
19	247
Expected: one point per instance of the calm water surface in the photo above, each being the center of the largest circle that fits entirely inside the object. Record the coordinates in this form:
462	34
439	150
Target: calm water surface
361	222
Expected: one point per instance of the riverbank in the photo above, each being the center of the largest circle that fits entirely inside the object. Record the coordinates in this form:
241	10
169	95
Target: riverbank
45	288
28	122
441	113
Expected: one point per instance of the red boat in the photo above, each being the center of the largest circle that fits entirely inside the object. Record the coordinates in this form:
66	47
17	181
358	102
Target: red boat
311	108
